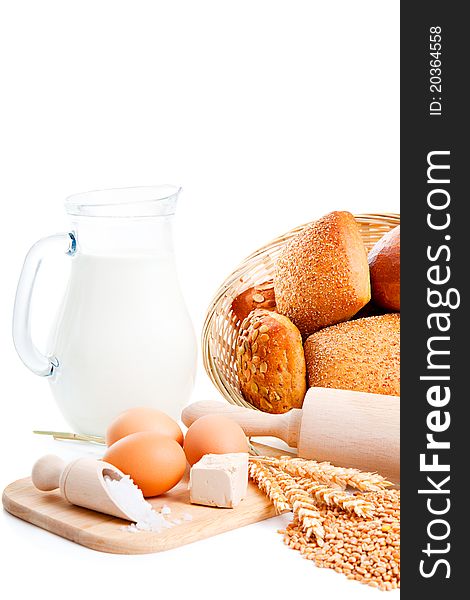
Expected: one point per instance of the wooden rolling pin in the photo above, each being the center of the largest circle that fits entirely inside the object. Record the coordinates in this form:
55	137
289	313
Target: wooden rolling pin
80	482
349	429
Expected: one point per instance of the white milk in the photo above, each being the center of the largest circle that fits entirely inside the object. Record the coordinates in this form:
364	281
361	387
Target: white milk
122	338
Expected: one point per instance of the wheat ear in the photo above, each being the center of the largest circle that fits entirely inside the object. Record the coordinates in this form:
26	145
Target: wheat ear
285	493
332	476
266	479
325	495
304	509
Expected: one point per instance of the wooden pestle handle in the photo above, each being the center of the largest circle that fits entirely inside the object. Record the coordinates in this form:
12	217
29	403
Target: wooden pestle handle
46	472
253	422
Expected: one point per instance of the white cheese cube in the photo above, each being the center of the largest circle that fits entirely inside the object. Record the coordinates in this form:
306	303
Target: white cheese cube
219	480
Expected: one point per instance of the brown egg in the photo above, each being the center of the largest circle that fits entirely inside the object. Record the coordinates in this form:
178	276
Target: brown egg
213	434
142	418
155	462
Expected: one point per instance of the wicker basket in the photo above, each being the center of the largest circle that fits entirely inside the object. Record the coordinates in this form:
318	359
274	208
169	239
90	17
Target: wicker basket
221	326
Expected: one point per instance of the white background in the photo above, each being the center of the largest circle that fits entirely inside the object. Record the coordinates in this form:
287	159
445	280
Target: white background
269	114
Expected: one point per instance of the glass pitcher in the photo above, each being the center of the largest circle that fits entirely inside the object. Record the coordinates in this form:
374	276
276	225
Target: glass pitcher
122	336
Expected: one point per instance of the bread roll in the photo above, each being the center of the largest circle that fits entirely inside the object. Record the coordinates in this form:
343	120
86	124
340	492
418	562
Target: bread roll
322	275
271	362
259	296
361	355
384	264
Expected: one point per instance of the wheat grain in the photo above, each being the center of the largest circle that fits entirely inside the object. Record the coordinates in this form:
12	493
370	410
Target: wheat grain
354	534
367	551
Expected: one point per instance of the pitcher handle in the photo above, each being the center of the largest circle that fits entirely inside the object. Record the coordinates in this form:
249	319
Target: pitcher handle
27	351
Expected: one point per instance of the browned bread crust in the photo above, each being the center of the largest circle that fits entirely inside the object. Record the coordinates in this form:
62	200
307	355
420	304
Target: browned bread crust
384	263
322	275
271	362
258	296
361	355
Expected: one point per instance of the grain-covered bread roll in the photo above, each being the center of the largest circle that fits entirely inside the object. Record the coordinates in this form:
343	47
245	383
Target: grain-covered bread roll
361	355
384	263
258	296
271	362
322	275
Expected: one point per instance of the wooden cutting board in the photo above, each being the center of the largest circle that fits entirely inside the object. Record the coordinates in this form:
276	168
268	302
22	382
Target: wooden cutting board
104	533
